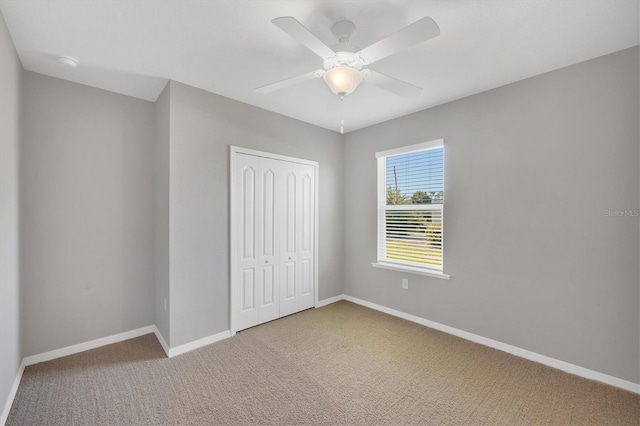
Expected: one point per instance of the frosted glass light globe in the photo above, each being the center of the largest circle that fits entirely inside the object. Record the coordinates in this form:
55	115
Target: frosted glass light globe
342	80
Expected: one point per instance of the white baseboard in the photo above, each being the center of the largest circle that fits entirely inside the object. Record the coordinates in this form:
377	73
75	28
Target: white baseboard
187	347
12	395
179	350
160	337
93	344
514	350
329	301
81	347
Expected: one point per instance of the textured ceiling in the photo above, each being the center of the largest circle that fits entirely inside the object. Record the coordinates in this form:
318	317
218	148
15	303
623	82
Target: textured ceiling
231	47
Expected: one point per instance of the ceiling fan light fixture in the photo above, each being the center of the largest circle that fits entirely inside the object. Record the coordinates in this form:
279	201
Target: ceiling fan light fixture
342	80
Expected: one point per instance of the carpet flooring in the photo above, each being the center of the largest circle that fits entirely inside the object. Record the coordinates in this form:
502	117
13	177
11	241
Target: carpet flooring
340	364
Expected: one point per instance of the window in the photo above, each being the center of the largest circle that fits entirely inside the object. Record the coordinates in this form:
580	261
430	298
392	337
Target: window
410	208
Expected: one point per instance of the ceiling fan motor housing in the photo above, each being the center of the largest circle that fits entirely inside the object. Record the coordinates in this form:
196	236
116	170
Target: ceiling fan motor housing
345	51
342	59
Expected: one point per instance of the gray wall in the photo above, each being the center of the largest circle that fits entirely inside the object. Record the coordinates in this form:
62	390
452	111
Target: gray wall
530	169
10	84
203	125
161	211
86	184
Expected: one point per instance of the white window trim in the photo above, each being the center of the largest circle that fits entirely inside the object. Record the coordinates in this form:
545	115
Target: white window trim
411	148
381	204
411	270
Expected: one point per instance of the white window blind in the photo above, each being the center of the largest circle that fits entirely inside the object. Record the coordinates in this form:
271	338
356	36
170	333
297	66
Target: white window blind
410	206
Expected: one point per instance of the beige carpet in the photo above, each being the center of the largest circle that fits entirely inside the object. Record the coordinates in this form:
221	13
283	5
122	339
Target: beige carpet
341	364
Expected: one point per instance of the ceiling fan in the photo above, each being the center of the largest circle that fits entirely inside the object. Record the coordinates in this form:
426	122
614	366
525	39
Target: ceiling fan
343	63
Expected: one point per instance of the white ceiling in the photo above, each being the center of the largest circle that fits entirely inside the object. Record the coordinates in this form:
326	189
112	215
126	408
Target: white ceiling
230	47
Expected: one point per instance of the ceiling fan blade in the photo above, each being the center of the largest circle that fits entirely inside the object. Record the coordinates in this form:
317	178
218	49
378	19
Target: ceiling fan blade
289	82
298	31
422	30
391	84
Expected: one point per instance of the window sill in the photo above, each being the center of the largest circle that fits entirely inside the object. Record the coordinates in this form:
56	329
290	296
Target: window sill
411	270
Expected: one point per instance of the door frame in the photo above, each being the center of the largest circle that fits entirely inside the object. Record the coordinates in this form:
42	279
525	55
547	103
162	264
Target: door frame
234	223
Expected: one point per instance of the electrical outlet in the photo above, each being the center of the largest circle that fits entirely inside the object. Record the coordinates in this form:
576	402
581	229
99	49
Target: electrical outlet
405	283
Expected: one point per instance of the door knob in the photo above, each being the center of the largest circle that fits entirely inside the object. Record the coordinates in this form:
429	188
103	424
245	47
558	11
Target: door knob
266	261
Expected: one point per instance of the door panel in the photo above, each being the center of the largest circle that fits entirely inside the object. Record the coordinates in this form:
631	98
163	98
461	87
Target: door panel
268	183
290	206
245	287
306	277
307	213
305	254
248	290
248	212
269	306
267	287
288	301
290	281
266	231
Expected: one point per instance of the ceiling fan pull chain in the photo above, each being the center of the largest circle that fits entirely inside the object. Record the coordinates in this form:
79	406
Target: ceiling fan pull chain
342	116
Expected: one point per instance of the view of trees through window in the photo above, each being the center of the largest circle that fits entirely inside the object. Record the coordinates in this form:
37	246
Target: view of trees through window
416	177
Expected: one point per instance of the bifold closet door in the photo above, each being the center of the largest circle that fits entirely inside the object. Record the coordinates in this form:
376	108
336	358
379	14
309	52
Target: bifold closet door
258	278
297	247
274	239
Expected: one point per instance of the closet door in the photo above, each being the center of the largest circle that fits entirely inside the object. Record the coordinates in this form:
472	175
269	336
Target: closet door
258	279
268	200
245	284
273	238
306	257
297	248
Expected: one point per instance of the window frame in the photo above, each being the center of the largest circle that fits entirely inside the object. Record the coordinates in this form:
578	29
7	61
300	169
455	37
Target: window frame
382	207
